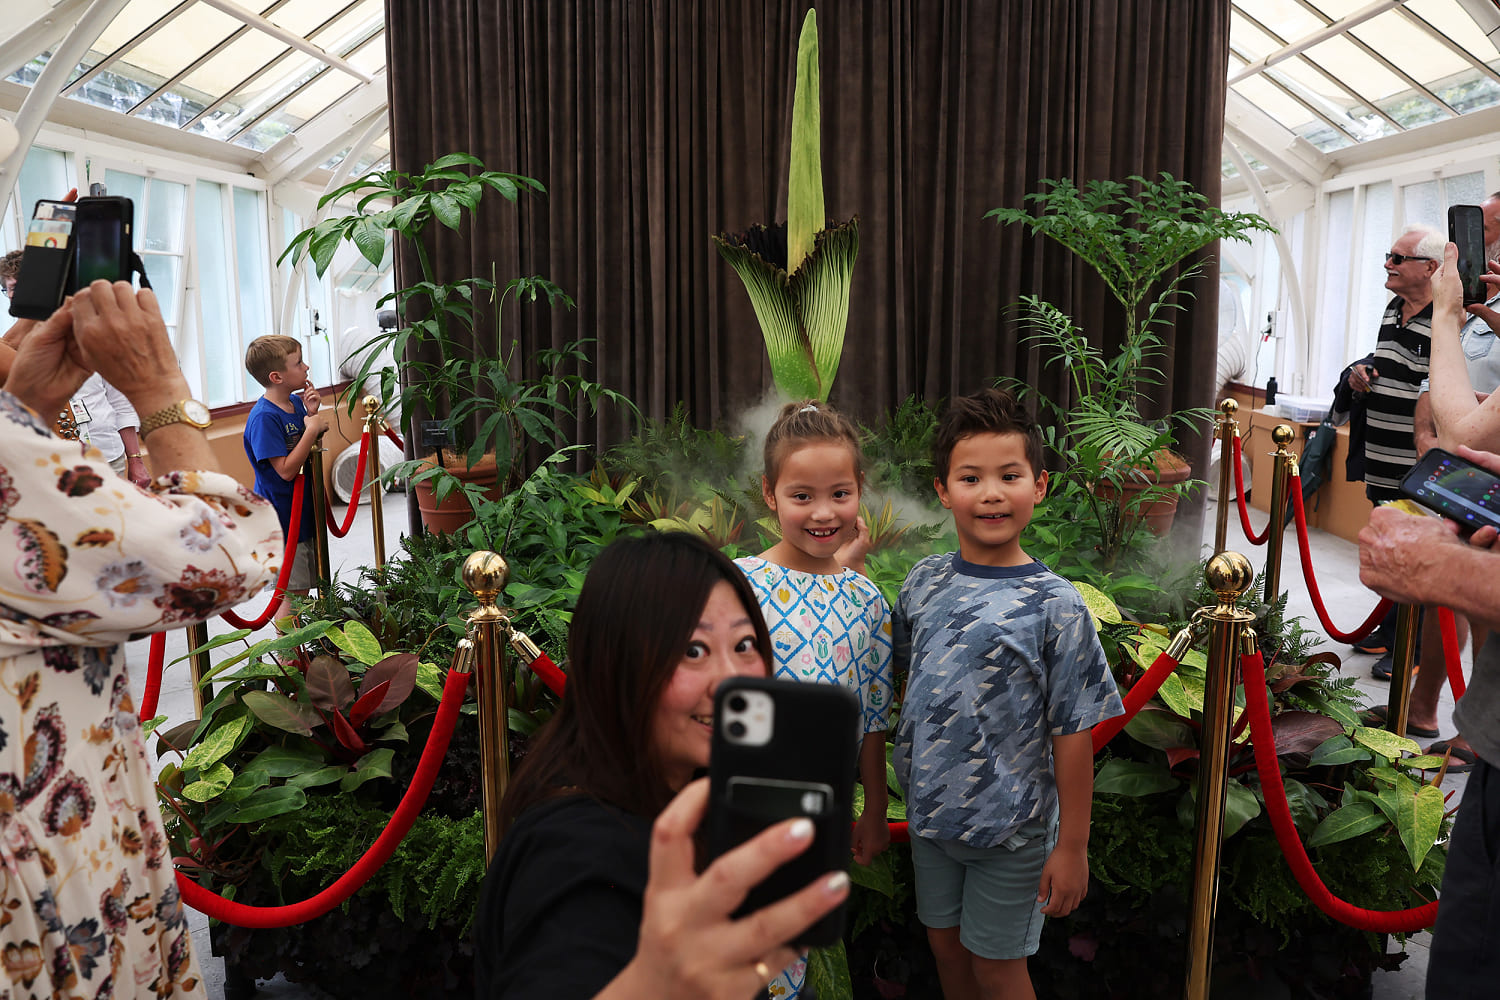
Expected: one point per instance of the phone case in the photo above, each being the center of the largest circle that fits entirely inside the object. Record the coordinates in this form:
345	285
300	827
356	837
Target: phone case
1466	231
813	748
1456	488
46	261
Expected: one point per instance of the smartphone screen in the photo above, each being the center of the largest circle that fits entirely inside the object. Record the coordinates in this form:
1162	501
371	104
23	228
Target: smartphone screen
102	234
1457	489
1466	230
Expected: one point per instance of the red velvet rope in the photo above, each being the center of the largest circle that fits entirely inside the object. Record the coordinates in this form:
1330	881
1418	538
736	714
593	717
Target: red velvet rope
286	565
1239	499
395	438
549	674
359	484
153	676
1257	704
241	915
1141	692
1312	582
1451	655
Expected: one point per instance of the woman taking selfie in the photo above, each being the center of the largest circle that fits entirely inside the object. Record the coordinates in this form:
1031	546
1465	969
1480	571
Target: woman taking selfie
606	796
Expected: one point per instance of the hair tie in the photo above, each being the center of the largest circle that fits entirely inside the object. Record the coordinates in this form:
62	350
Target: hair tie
809	408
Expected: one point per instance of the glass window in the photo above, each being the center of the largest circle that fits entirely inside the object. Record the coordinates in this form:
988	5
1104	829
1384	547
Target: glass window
1464	189
252	258
223	358
1421	202
1380	228
44	174
1333	289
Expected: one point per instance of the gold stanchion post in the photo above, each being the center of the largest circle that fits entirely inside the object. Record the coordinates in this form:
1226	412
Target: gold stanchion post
485	574
319	510
1229	575
198	665
1403	654
1226	429
1286	466
375	427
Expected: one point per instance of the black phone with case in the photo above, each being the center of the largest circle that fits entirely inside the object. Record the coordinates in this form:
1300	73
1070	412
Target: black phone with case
782	750
70	245
1456	488
1466	231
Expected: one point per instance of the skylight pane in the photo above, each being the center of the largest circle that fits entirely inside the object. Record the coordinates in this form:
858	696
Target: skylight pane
301	17
262	93
134	18
222	72
1449	18
1351	64
351	27
1416	52
171	50
1273	102
317	96
1249	39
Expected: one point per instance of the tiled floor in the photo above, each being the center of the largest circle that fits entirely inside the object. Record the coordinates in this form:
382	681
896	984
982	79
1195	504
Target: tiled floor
1336	564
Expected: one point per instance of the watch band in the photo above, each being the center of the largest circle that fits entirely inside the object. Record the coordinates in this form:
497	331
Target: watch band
185	411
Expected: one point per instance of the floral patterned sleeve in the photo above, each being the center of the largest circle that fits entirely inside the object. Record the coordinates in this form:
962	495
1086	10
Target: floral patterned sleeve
92	559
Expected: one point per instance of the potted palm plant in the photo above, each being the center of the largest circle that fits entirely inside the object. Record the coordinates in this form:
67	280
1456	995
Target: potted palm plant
487	403
1136	236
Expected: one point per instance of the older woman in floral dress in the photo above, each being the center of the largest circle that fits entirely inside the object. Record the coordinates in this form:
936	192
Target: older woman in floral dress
88	904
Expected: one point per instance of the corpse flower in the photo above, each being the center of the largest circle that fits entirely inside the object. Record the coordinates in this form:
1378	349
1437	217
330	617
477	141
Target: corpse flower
798	272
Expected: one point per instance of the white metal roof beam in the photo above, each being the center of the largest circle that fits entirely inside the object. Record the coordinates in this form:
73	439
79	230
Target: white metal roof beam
1290	155
326	133
1325	74
293	39
43	26
1334	29
1391	67
1312	108
49	85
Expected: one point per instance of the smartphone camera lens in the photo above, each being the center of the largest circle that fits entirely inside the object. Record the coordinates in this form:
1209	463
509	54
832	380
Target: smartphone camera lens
737	703
736	730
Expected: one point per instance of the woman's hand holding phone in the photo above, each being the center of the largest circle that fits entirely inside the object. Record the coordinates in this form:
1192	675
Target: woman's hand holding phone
690	945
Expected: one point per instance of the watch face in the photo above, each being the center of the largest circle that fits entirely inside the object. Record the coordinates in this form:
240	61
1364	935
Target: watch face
195	411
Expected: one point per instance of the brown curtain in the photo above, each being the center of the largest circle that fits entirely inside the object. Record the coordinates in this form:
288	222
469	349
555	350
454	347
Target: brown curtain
655	124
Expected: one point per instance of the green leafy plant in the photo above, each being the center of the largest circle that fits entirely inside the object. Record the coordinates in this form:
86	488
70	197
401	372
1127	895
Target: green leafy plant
798	274
486	399
1135	236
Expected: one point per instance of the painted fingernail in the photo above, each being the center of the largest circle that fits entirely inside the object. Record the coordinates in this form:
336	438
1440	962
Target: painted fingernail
837	883
801	830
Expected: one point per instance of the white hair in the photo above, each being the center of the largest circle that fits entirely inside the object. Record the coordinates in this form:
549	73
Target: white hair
1430	242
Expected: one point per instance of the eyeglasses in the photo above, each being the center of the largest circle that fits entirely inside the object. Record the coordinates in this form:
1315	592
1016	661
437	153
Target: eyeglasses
1398	259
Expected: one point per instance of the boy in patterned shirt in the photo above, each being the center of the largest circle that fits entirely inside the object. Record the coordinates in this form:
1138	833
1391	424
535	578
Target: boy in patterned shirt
1006	678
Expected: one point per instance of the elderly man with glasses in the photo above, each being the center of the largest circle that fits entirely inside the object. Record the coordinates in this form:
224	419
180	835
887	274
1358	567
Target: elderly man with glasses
1378	393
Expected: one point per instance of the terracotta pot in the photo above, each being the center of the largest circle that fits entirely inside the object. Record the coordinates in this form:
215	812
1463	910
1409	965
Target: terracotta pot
1158	514
455	511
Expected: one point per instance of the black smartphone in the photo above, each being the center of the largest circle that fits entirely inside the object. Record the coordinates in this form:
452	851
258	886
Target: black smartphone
781	750
46	261
1456	488
102	234
1466	230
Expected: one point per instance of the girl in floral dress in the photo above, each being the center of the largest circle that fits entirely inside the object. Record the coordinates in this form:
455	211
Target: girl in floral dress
828	624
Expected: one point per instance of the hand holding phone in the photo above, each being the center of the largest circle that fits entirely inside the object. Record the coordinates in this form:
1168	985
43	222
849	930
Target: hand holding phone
1455	488
782	750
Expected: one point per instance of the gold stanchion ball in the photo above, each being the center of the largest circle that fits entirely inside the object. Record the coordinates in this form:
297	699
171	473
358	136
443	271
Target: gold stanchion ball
485	574
1229	575
371	404
1229	407
1282	435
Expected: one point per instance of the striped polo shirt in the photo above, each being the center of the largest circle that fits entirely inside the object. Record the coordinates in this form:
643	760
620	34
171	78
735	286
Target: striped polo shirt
1401	357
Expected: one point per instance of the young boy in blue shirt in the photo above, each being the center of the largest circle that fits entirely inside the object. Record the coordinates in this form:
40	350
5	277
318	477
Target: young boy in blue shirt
1006	678
279	435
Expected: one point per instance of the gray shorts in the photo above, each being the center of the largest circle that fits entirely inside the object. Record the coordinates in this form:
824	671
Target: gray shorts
301	578
988	893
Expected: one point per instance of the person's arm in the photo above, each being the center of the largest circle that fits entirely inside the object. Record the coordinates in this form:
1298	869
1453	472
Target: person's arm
135	462
1065	875
872	833
289	466
7	358
1424	430
1459	416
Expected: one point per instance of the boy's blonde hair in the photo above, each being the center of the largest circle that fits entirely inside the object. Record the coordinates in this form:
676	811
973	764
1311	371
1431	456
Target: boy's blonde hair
268	354
808	420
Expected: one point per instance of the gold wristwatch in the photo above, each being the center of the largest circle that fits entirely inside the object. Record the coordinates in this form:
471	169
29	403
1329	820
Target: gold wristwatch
186	411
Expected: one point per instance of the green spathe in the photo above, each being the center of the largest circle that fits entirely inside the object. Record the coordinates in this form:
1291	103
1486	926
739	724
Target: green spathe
804	199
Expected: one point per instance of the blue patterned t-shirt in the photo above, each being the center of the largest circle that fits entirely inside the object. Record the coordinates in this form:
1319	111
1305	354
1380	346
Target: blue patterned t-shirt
1001	659
833	628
